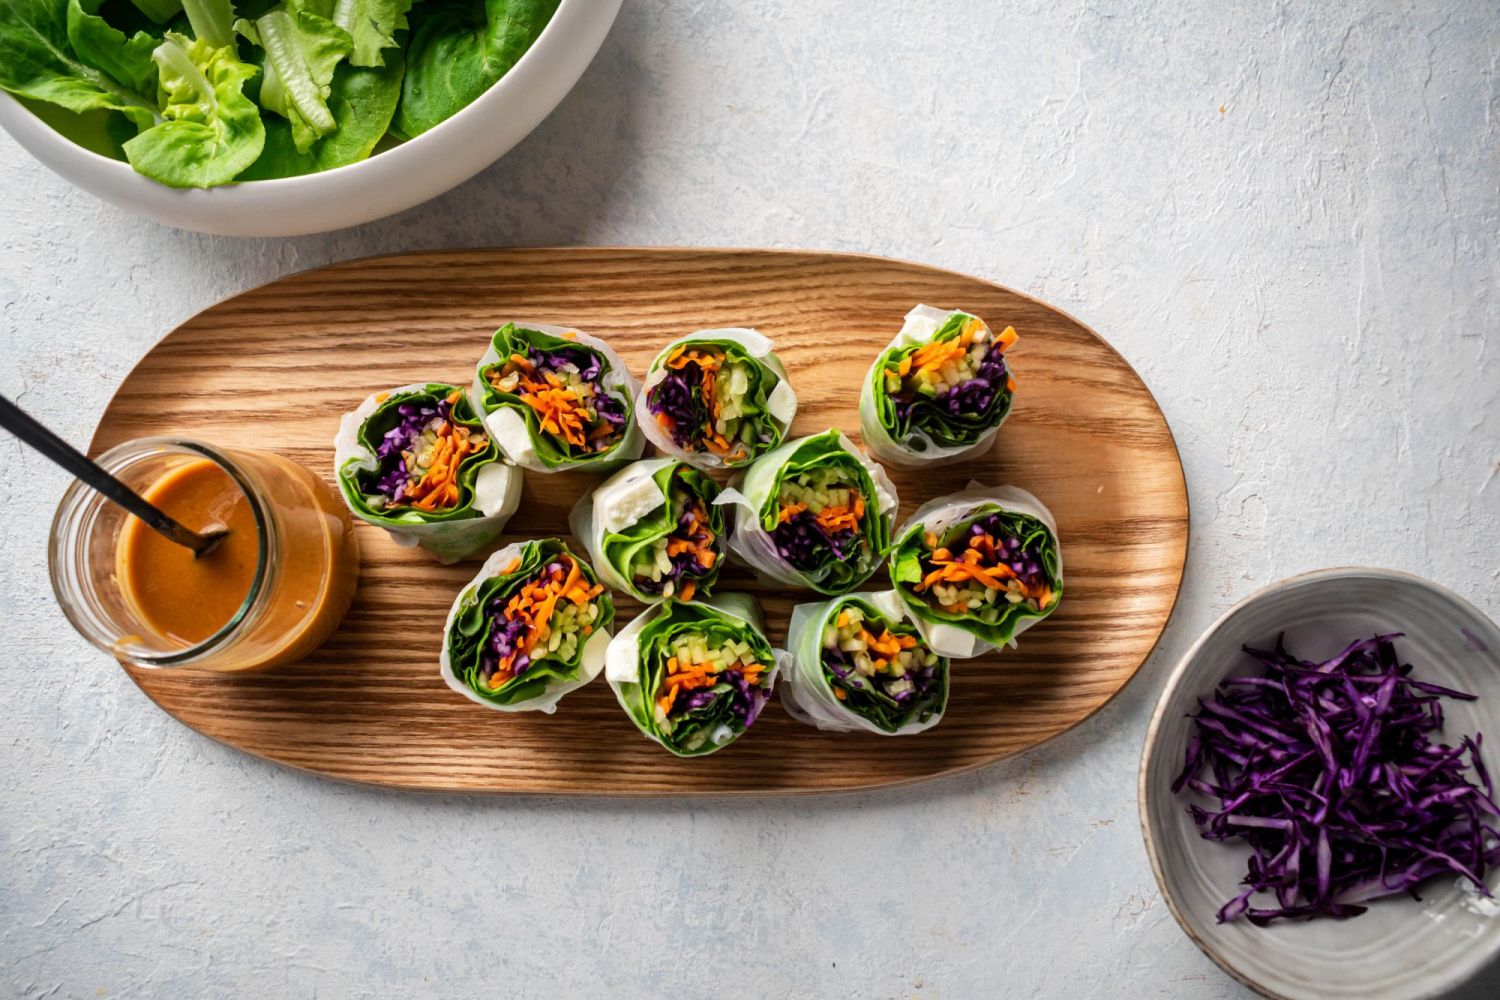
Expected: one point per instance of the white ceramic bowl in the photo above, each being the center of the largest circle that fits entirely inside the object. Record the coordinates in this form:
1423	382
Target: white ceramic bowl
389	182
1399	948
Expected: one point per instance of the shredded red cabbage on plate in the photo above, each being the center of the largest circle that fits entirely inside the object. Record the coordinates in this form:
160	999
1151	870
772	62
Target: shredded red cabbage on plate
1332	774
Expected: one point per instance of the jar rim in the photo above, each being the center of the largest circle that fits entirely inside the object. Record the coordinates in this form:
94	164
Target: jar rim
75	503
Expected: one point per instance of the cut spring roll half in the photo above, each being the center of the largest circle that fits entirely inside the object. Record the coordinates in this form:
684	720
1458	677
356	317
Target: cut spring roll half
654	531
533	625
555	398
939	392
859	664
417	462
717	399
815	512
693	677
978	568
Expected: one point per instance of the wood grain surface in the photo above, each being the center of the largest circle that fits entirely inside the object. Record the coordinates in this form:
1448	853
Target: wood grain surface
274	368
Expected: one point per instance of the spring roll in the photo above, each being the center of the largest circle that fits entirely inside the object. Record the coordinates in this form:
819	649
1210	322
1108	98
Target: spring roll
417	462
533	625
859	664
815	512
717	399
654	531
978	568
693	677
939	392
555	398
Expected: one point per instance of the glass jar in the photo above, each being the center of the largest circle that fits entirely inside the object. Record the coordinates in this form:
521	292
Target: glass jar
304	577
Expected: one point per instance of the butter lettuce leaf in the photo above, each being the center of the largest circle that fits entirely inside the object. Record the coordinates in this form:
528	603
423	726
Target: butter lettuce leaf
210	130
363	101
372	24
100	44
458	49
302	49
37	60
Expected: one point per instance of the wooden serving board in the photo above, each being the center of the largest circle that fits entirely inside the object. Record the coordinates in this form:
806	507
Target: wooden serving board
274	368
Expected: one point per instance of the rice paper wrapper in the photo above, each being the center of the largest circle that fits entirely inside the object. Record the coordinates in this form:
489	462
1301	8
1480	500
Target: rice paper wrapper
591	664
622	667
618	503
749	539
805	691
922	323
511	431
940	514
781	403
497	492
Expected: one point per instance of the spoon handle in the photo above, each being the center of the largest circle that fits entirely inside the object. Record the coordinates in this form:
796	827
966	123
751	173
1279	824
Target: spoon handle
23	426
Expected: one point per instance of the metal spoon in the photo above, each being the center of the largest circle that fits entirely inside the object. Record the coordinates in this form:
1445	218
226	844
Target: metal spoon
23	426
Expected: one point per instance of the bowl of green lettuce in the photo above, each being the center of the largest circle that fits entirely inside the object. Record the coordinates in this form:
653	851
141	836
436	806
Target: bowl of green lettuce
283	117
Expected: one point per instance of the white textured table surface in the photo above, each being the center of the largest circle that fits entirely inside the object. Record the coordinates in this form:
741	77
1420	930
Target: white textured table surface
1286	220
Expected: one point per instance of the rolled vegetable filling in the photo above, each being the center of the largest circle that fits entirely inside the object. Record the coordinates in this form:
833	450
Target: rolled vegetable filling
525	628
954	387
694	677
704	404
685	560
818	516
882	669
988	573
813	514
706	682
421	456
562	388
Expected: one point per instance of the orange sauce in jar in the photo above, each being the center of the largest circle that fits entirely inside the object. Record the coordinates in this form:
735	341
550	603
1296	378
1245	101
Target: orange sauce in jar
178	594
269	593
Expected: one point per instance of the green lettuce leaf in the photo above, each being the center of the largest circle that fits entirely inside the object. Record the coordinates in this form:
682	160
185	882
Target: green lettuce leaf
458	49
37	61
630	552
105	47
211	131
363	101
212	21
302	48
372	24
469	633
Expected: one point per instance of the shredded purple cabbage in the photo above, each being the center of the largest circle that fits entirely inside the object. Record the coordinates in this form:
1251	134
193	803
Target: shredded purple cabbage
842	666
394	478
972	397
684	563
679	398
1327	771
806	545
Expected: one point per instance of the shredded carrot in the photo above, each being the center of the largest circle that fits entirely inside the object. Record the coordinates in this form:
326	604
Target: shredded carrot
560	410
692	676
686	593
1008	337
840	694
789	511
438	487
535	603
970	565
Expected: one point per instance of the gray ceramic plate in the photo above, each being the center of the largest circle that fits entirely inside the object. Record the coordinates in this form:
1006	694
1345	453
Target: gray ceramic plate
1400	948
